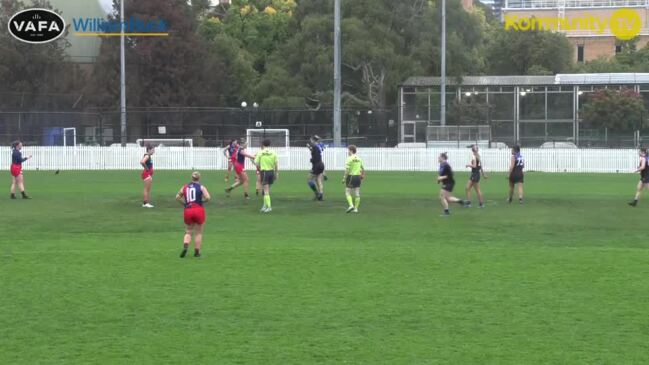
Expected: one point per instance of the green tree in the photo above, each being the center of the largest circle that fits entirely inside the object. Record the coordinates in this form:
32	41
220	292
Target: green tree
512	52
33	69
161	71
618	110
258	25
384	42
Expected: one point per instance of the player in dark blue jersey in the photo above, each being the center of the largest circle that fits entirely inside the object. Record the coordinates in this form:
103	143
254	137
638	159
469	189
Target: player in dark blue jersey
240	168
516	175
447	180
147	175
643	169
476	173
17	179
192	196
316	176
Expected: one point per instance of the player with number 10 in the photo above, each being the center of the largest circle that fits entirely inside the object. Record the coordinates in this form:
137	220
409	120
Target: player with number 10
193	196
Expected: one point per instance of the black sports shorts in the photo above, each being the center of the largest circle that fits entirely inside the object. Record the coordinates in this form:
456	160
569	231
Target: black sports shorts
353	181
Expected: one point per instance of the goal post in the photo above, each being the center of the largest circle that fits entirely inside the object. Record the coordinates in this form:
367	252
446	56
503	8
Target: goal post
166	142
278	137
186	145
279	141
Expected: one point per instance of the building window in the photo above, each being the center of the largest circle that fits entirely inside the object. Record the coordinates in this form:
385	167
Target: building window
580	53
618	49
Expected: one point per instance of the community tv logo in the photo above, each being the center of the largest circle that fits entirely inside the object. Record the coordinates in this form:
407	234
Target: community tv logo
36	26
624	24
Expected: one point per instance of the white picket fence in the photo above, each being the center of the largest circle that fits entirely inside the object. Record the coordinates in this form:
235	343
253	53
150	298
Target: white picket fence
295	158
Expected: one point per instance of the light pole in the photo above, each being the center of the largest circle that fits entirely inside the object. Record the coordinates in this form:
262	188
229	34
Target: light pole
442	107
337	75
122	76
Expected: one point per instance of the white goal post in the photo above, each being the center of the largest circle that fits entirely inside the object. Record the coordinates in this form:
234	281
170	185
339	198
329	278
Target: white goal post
278	137
279	141
166	142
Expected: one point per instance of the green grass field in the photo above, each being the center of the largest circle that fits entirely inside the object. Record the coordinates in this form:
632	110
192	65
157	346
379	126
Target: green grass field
87	276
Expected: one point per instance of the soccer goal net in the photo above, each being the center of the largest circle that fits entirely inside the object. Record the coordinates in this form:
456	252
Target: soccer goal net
166	142
278	137
279	141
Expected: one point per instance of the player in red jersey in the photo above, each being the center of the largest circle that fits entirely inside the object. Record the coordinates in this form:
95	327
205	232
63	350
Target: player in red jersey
240	168
193	196
229	152
147	175
17	170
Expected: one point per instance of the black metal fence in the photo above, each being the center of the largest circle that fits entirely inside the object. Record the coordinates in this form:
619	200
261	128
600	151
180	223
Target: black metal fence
205	126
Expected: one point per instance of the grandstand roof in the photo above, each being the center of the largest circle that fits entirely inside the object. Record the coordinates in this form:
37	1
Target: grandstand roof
560	79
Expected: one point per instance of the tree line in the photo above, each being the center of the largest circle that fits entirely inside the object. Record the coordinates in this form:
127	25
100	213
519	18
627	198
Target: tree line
279	53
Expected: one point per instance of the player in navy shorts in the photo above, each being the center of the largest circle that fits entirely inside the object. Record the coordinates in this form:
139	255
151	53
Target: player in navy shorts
516	175
147	175
643	169
17	170
192	196
448	183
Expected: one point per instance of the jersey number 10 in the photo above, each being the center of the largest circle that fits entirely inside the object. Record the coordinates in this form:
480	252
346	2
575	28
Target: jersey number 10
191	195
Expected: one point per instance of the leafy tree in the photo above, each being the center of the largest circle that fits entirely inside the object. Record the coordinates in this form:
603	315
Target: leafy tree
384	42
619	110
511	52
258	25
161	71
34	69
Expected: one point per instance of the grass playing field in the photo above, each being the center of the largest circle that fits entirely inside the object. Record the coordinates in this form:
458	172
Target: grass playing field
87	276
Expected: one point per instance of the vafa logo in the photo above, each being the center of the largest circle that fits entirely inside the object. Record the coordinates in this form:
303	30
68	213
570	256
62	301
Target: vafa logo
36	25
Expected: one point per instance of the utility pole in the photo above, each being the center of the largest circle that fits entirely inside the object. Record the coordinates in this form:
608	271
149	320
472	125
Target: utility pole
337	75
442	109
122	77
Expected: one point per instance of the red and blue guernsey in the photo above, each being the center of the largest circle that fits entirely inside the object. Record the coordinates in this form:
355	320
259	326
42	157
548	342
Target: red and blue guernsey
148	168
193	193
241	158
233	151
17	162
194	211
17	157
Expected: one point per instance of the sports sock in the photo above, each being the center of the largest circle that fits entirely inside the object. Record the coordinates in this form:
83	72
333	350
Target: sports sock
350	200
358	202
313	186
267	201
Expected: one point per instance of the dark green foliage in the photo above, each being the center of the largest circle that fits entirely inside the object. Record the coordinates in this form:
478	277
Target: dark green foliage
619	110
